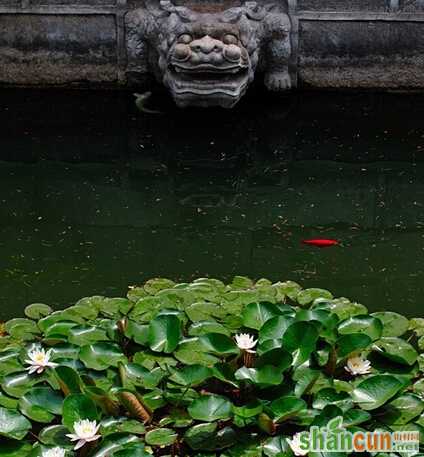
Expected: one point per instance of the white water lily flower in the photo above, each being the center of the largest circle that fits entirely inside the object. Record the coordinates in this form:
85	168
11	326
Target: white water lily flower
85	432
358	365
246	342
55	452
39	359
295	443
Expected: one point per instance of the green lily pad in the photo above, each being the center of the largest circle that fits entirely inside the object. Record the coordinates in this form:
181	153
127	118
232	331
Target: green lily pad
209	408
37	311
220	344
275	328
204	327
267	375
300	339
15	449
82	335
54	435
397	350
306	296
77	407
286	407
41	404
164	333
402	410
394	324
277	446
161	437
199	436
191	375
375	391
354	342
368	325
100	356
13	425
255	315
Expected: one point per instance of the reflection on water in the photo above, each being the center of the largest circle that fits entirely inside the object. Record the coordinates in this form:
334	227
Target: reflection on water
96	196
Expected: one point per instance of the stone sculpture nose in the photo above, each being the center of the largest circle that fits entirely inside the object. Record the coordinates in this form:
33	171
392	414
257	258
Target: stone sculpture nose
206	45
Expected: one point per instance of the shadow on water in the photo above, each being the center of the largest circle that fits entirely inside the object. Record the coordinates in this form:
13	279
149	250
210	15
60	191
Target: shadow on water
96	196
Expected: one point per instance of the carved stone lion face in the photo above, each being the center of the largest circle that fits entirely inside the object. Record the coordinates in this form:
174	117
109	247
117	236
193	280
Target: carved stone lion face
205	58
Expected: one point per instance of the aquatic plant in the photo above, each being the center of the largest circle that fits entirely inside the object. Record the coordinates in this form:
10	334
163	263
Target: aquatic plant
204	369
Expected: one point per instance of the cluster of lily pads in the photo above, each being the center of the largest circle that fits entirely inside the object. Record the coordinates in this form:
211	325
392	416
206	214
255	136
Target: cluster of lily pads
204	369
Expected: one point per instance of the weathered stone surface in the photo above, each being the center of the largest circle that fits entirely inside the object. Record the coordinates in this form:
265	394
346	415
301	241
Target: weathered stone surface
412	5
343	5
74	2
53	49
326	43
361	54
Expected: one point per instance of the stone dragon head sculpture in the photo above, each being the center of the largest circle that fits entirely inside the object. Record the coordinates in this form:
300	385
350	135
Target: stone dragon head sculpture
207	55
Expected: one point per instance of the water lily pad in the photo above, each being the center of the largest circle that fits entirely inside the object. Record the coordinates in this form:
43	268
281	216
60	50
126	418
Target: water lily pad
286	407
100	356
209	408
211	326
69	380
116	442
54	435
198	436
191	375
375	391
161	437
9	361
18	384
37	311
368	325
217	343
164	333
267	375
15	449
277	446
300	339
354	342
41	404
256	314
137	332
192	352
275	328
77	407
397	350
394	324
13	425
329	396
82	335
402	410
136	375
277	357
306	296
355	417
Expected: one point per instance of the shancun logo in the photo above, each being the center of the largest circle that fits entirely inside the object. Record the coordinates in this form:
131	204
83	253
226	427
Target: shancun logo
335	438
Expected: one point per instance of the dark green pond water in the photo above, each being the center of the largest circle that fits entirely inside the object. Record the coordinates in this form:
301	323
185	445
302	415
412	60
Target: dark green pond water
95	196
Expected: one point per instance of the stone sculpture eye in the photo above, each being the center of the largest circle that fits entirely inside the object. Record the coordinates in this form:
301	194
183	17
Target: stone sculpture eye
229	38
185	38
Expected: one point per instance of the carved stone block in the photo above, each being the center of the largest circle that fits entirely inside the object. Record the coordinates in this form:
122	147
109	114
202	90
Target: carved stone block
207	53
55	49
365	54
342	5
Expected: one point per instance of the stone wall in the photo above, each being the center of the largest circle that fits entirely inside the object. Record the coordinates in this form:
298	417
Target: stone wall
336	43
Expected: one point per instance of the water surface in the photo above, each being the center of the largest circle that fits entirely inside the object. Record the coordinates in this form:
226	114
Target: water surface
95	196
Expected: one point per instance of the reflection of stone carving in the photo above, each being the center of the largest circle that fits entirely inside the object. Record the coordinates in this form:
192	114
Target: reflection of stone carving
207	55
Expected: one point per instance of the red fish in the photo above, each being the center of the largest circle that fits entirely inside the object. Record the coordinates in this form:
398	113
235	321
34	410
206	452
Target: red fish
321	243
